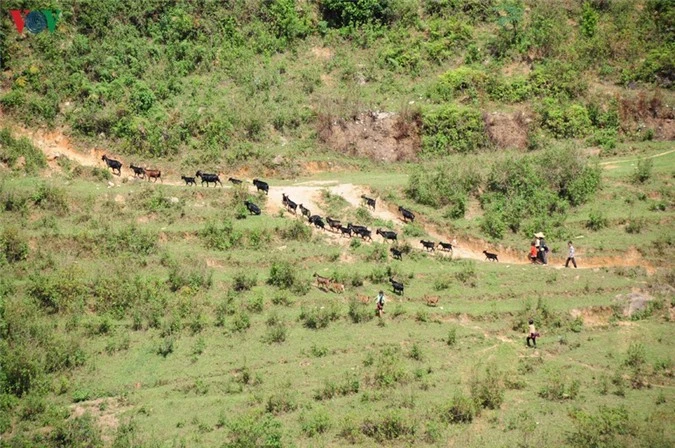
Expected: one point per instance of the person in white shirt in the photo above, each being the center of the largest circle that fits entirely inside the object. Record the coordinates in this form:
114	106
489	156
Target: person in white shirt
379	301
533	335
570	255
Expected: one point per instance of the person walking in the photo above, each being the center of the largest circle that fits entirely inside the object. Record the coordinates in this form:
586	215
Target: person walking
532	336
379	302
570	255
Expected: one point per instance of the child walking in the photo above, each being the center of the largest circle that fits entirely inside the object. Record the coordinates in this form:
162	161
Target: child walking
533	335
570	255
379	301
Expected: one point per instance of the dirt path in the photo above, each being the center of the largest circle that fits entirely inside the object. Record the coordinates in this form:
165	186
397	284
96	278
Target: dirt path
55	145
611	164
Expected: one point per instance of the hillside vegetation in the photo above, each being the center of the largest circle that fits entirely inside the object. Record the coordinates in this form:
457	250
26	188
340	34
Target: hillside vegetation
141	314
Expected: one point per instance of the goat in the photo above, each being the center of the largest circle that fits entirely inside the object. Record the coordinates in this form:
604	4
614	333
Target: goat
322	282
387	234
138	171
113	164
397	286
333	223
364	299
317	221
234	181
189	180
431	300
209	179
252	208
445	246
407	214
346	231
153	174
490	256
361	231
337	287
396	253
370	202
428	245
305	211
290	205
260	185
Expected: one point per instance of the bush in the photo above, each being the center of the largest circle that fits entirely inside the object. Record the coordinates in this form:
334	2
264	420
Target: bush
343	13
596	220
488	391
296	231
390	426
244	282
281	402
13	245
191	278
460	410
643	171
11	150
318	422
80	431
564	121
316	317
599	429
220	237
253	430
450	128
282	275
359	312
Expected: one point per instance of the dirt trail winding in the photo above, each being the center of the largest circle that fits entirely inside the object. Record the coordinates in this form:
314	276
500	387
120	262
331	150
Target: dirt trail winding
56	145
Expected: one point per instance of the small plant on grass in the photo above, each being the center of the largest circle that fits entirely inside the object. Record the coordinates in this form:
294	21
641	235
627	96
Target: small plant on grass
635	225
452	337
318	351
243	281
596	221
316	422
461	409
241	322
166	346
487	391
276	334
643	171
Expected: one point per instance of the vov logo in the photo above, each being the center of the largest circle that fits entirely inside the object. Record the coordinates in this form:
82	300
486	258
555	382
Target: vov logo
35	21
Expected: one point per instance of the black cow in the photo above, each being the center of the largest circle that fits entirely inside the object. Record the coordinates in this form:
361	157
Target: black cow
490	256
398	287
428	245
113	164
346	231
370	202
407	214
317	221
209	178
387	234
333	223
290	205
189	180
252	208
138	171
445	246
396	253
305	211
260	185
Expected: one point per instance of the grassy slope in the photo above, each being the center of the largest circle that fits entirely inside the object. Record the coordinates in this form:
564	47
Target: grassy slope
194	394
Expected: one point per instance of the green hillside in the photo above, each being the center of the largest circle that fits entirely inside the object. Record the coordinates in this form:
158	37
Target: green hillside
139	313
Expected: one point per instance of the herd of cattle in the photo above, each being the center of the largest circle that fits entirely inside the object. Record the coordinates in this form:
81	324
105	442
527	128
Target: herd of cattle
334	225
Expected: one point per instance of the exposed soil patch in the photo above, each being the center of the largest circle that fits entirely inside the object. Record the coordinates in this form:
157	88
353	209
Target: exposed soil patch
381	136
106	412
507	130
593	316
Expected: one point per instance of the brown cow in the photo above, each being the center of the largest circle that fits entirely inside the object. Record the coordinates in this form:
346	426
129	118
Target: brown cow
153	174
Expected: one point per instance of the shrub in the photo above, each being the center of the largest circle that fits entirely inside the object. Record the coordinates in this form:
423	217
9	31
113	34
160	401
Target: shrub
390	426
281	402
359	312
220	237
319	317
599	429
448	129
635	225
452	336
488	391
166	346
282	275
130	239
190	278
241	322
317	422
12	149
460	410
253	430
50	198
343	13
564	121
643	171
596	220
81	431
244	282
296	231
13	245
276	334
